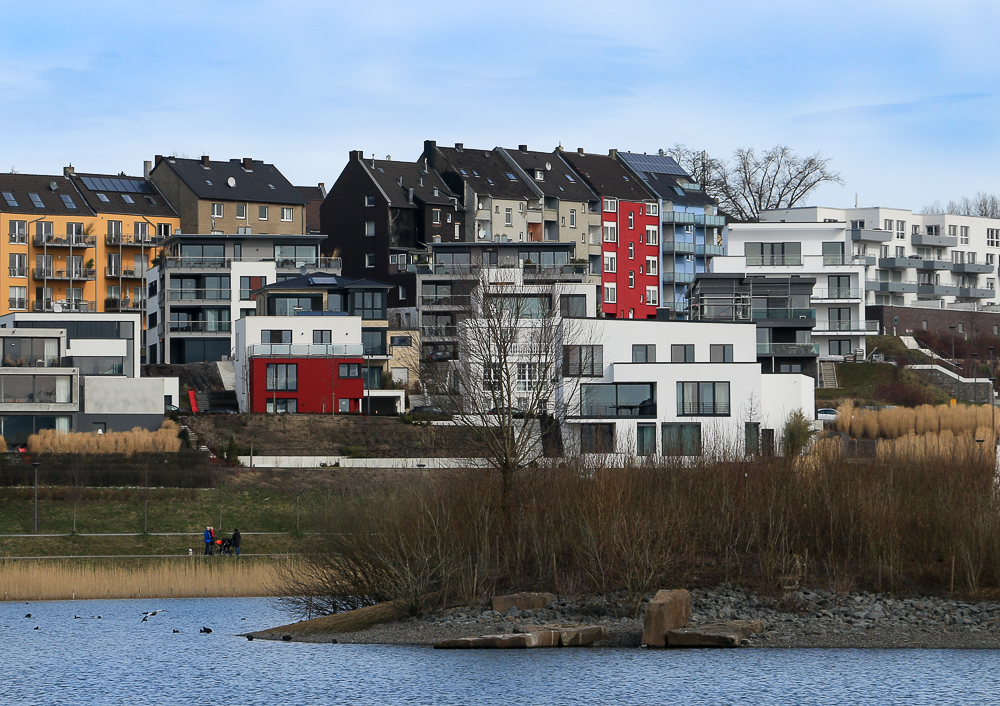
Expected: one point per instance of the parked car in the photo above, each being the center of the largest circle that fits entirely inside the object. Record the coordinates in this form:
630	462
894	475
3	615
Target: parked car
429	413
515	412
826	414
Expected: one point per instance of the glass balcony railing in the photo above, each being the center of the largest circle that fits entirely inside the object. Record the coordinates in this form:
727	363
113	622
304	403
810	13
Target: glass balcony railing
803	349
774	260
353	350
838	293
759	314
200	326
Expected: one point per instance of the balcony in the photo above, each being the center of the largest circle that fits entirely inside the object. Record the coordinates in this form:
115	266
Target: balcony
937	290
123	274
677	277
709	250
774	260
47	273
897	287
932	264
316	350
555	272
428	332
193	295
123	304
973	268
136	241
935	241
64	241
316	263
200	327
788	349
837	293
788	314
853	260
214	263
63	305
679	218
858	327
897	262
679	248
867	235
444	300
614	411
710	221
976	293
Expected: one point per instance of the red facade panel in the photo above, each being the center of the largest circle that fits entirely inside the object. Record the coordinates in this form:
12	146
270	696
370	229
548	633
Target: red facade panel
630	249
319	387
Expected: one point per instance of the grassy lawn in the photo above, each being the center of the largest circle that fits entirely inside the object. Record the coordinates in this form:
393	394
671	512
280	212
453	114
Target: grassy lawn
862	382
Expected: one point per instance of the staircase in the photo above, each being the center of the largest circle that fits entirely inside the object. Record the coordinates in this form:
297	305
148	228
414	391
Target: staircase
201	398
828	374
193	439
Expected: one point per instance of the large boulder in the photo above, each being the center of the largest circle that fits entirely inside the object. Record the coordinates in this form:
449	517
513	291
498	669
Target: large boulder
731	634
522	601
668	610
583	635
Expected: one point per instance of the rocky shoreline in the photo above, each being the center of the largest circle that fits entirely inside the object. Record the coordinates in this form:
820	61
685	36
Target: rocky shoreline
804	618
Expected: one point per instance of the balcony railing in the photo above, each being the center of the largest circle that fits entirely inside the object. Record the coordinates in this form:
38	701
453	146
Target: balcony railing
17	304
774	260
759	314
678	277
642	411
553	271
62	305
138	241
198	294
65	241
200	326
709	250
680	218
119	272
18	238
317	263
838	293
848	326
123	304
840	259
438	331
799	349
703	409
353	350
43	273
17	271
443	300
679	247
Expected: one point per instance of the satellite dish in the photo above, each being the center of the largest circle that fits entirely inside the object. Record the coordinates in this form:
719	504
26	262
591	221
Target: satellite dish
231	181
548	166
53	185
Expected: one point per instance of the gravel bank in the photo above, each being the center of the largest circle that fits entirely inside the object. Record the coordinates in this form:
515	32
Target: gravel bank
804	618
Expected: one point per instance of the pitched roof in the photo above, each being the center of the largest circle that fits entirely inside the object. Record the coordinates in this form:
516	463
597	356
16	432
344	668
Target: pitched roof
487	172
107	193
608	177
261	183
665	177
311	193
20	193
326	280
558	179
387	174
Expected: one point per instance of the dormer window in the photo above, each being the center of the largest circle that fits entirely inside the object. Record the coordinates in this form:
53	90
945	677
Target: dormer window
539	175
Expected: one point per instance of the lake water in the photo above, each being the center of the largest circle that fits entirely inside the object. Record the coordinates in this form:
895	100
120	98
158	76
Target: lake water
120	660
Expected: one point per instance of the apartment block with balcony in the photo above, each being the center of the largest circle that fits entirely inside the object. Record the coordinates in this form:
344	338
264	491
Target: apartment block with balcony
630	224
203	283
379	217
832	254
781	308
692	231
242	196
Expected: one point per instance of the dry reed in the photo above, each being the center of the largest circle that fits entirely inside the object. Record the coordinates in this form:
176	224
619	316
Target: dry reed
128	443
897	422
184	577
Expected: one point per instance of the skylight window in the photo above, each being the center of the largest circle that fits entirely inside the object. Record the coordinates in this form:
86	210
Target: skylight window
36	199
127	199
624	177
271	185
208	182
490	181
511	176
463	172
572	180
9	198
679	190
150	200
68	200
475	173
104	198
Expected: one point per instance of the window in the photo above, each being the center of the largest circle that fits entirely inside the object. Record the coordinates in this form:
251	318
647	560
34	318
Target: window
369	228
652	209
527	377
840	346
964	235
324	336
597	438
652	296
162	230
217	210
888	224
652	235
574	305
631	220
617	400
249	285
583	361
282	376
36	200
127	199
631	279
681	439
631	251
68	201
349	370
644	353
610	293
993	237
901	229
961	328
651	265
720	353
18	264
18	232
990	258
780	254
611	205
8	196
858	225
286	214
703	399
645	440
241	211
933	230
610	262
275	336
369	305
682	353
610	233
991	284
370	260
436	216
510	176
18	298
262	213
572	218
508	218
401	341
373	342
369	201
282	406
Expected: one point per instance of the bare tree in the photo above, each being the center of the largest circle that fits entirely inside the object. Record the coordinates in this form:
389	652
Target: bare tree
982	204
751	182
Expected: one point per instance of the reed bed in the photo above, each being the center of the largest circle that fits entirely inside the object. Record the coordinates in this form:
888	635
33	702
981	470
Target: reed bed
127	443
183	577
896	422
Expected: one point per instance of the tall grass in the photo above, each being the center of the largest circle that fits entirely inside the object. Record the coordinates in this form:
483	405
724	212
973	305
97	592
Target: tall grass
128	443
187	577
895	422
890	523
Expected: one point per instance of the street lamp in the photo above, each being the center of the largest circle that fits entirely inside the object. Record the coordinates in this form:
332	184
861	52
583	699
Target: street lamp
952	327
36	464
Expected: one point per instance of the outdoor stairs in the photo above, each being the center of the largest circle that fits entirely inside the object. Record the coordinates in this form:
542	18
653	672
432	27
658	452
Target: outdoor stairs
193	438
201	398
828	374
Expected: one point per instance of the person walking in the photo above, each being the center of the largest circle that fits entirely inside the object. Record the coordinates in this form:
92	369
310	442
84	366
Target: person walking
209	540
236	541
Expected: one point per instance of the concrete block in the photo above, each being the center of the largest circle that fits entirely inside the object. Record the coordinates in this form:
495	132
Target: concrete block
522	601
668	610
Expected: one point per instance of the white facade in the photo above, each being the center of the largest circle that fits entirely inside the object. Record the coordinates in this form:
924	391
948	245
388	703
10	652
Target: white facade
823	250
697	380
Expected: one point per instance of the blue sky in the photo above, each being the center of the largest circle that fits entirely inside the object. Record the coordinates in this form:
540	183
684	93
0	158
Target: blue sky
902	96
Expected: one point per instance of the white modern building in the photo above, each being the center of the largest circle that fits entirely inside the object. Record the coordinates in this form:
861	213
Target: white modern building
675	388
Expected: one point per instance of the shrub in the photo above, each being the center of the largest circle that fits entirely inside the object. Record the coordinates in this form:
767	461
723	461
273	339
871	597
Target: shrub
128	443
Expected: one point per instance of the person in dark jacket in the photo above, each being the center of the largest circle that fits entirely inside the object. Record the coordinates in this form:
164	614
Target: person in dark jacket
209	540
236	541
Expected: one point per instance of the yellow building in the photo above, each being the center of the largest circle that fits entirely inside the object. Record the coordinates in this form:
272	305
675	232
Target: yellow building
79	242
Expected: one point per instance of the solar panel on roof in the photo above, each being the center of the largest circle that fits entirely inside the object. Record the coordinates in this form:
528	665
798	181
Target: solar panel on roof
324	280
652	163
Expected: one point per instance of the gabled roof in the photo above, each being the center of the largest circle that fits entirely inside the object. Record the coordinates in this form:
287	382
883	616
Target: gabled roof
558	179
487	172
387	174
665	177
20	186
253	180
122	194
608	177
325	281
311	193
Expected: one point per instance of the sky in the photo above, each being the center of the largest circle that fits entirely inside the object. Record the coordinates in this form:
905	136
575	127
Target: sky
902	97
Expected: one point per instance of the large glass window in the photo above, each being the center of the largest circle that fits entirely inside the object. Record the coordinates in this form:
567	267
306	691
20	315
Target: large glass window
282	376
21	352
703	399
370	305
272	336
720	353
682	353
617	400
282	406
597	438
583	361
645	439
645	353
573	305
35	388
373	342
681	439
296	255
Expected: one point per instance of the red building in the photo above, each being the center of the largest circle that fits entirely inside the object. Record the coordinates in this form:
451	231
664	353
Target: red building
630	279
306	385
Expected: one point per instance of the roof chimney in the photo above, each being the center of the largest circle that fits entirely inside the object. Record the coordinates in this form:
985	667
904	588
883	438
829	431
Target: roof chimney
579	150
613	154
355	154
430	147
522	148
248	164
157	159
421	180
459	146
204	161
410	196
322	189
68	171
147	167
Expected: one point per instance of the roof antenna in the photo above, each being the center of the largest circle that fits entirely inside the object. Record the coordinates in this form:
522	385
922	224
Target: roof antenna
855	200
